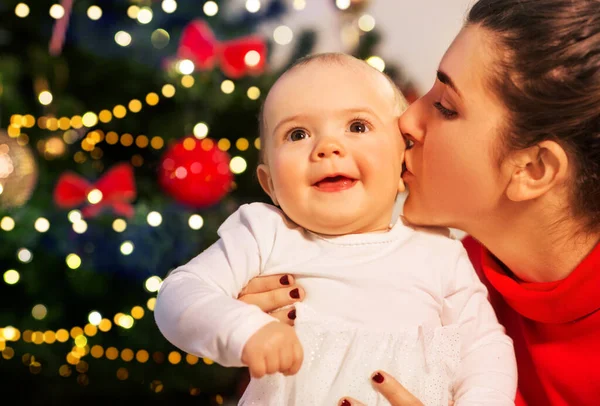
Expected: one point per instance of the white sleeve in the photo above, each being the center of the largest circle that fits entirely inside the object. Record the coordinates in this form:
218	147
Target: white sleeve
487	373
197	308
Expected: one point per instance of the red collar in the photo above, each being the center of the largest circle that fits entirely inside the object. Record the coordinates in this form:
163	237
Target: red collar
562	301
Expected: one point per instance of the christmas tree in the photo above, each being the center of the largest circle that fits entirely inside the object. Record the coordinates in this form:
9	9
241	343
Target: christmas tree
128	134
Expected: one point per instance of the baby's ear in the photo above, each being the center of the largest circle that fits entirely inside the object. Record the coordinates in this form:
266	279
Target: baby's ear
264	178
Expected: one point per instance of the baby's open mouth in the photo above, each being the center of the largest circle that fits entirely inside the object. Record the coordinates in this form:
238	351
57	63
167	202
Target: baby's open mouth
335	183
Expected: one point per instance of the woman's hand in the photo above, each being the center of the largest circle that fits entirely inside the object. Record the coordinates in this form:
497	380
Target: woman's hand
391	389
273	292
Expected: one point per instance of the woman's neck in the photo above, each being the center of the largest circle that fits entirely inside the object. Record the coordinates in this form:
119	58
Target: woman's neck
536	252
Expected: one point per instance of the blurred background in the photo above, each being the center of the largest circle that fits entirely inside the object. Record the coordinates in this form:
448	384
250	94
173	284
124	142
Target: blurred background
128	133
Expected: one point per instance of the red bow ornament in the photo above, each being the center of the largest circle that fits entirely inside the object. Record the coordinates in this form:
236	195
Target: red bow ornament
238	57
116	191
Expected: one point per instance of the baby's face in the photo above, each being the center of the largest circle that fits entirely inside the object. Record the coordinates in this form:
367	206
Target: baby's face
333	150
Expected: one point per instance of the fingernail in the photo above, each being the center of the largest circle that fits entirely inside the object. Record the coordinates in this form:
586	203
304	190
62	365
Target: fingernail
284	280
295	294
377	377
345	402
292	314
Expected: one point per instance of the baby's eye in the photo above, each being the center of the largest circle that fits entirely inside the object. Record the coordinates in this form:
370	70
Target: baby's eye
358	127
409	143
297	135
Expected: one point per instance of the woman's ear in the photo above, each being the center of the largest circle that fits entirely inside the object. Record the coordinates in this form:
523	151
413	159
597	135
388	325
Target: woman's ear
536	170
264	178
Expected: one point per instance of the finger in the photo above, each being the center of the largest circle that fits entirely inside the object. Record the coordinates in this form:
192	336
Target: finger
262	284
272	363
350	402
286	358
393	391
287	315
257	368
275	299
298	359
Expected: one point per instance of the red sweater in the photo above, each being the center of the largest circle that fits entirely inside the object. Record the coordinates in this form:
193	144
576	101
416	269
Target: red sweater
555	328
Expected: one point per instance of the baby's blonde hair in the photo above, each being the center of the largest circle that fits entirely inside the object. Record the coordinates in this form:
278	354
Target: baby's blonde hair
331	58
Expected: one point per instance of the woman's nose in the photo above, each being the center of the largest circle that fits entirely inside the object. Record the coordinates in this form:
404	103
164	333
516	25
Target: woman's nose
411	123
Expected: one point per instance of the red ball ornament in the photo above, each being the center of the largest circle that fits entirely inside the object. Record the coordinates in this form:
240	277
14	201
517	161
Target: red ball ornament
195	172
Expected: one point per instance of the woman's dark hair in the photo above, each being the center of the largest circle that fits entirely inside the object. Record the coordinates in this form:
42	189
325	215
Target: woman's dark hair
547	73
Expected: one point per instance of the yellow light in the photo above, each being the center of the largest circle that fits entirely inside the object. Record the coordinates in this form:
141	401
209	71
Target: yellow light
97	351
366	23
153	284
168	90
253	93
376	62
157	142
90	330
64	123
94	13
210	8
200	130
151	303
227	86
57	11
127	248
185	67
252	58
112	353
126	139
123	38
80	226
135	106
208	361
132	12
242	144
94	196
169	6
137	312
94	318
142	356
160	38
224	144
119	111
81	341
76	122
105	116
24	255
89	119
74	216
11	277
191	359
73	261
62	335
22	10
39	311
49	337
237	165
187	81
41	225
112	137
144	16
126	321
342	4
299	4
1	189
154	218
127	355
152	99
7	223
105	325
10	333
174	357
45	97
252	5
283	35
119	225
196	222
13	131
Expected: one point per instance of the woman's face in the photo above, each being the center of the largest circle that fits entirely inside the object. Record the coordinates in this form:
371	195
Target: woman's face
453	173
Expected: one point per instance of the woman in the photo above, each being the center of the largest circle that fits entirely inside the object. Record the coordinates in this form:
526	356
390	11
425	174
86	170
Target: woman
506	146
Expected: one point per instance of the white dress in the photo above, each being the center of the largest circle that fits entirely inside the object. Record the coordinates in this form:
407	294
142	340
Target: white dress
407	301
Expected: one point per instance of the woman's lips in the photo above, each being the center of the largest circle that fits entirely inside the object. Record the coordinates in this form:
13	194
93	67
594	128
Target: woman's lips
334	184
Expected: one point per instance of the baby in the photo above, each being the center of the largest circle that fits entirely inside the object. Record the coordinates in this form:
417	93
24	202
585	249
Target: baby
405	300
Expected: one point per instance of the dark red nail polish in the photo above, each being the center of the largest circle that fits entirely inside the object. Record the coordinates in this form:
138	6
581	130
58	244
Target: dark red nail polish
284	280
345	403
295	294
378	377
292	314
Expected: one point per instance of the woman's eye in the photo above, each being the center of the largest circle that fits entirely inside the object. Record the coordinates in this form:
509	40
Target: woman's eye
447	113
297	135
358	127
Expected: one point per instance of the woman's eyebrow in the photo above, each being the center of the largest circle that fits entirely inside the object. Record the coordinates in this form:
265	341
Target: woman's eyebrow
445	79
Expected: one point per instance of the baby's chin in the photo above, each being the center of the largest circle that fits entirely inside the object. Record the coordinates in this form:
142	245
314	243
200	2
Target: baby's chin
336	225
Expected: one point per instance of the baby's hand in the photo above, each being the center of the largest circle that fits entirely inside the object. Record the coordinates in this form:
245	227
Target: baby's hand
273	348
